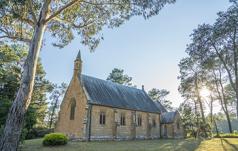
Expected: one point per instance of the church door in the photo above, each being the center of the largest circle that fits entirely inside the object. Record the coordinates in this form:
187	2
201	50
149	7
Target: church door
114	125
133	125
165	131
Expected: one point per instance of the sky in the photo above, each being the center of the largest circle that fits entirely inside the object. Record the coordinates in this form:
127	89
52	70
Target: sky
148	50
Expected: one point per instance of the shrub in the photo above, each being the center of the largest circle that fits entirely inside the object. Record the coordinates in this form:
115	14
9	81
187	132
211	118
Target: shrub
235	132
54	139
23	135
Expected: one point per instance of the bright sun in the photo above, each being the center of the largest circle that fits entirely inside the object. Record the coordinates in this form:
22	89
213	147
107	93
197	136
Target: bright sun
204	92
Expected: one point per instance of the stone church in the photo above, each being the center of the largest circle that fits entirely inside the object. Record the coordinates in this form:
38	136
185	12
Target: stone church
95	109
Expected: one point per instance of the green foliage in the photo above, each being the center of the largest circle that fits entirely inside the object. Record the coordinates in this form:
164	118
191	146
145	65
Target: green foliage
118	76
54	139
84	18
212	64
188	117
23	135
55	97
11	62
10	73
214	48
160	95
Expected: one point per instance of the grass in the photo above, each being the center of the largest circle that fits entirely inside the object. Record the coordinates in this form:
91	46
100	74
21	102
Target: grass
217	144
227	135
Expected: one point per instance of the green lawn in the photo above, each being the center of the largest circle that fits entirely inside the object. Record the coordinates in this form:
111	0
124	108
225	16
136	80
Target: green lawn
216	144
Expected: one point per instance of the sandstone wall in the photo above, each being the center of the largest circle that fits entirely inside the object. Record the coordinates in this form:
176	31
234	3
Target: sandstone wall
73	128
99	131
173	130
113	130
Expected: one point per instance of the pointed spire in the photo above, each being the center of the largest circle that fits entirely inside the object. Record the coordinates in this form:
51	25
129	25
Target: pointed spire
79	55
143	88
78	65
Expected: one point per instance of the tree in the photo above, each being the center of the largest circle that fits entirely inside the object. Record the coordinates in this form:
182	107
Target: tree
191	82
219	41
11	62
213	55
118	76
215	80
11	58
26	21
160	95
188	117
222	95
56	96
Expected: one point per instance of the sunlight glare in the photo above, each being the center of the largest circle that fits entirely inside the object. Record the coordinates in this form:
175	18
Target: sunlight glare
204	92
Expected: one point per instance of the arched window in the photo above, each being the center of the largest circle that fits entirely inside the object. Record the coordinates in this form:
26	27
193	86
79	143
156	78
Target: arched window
72	108
153	122
102	118
123	119
139	120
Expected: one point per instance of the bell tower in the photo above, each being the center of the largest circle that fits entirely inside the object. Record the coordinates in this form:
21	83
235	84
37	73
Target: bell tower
78	65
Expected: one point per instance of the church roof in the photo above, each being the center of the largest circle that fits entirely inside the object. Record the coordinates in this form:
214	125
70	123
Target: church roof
168	117
160	106
111	94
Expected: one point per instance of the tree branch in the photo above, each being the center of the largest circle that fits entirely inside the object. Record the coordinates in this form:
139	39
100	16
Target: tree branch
21	19
108	3
225	66
82	25
61	10
32	11
72	24
12	37
26	40
30	22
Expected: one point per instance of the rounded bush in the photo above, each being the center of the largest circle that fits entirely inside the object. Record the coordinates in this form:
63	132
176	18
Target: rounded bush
54	139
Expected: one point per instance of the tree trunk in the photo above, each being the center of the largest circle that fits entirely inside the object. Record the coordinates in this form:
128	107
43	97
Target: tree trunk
225	104
229	73
53	112
235	69
215	124
236	90
229	122
196	111
222	97
211	112
199	100
14	123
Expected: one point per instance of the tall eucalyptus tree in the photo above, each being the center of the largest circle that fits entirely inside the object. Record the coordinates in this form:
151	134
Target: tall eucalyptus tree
191	83
220	41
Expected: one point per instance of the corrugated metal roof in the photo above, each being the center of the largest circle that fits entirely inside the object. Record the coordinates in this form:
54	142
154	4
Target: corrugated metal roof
168	117
160	106
107	93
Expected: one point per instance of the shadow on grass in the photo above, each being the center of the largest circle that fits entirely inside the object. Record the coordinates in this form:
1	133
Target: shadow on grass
227	142
188	145
138	145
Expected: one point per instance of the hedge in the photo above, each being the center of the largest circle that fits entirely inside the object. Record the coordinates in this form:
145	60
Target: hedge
54	139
